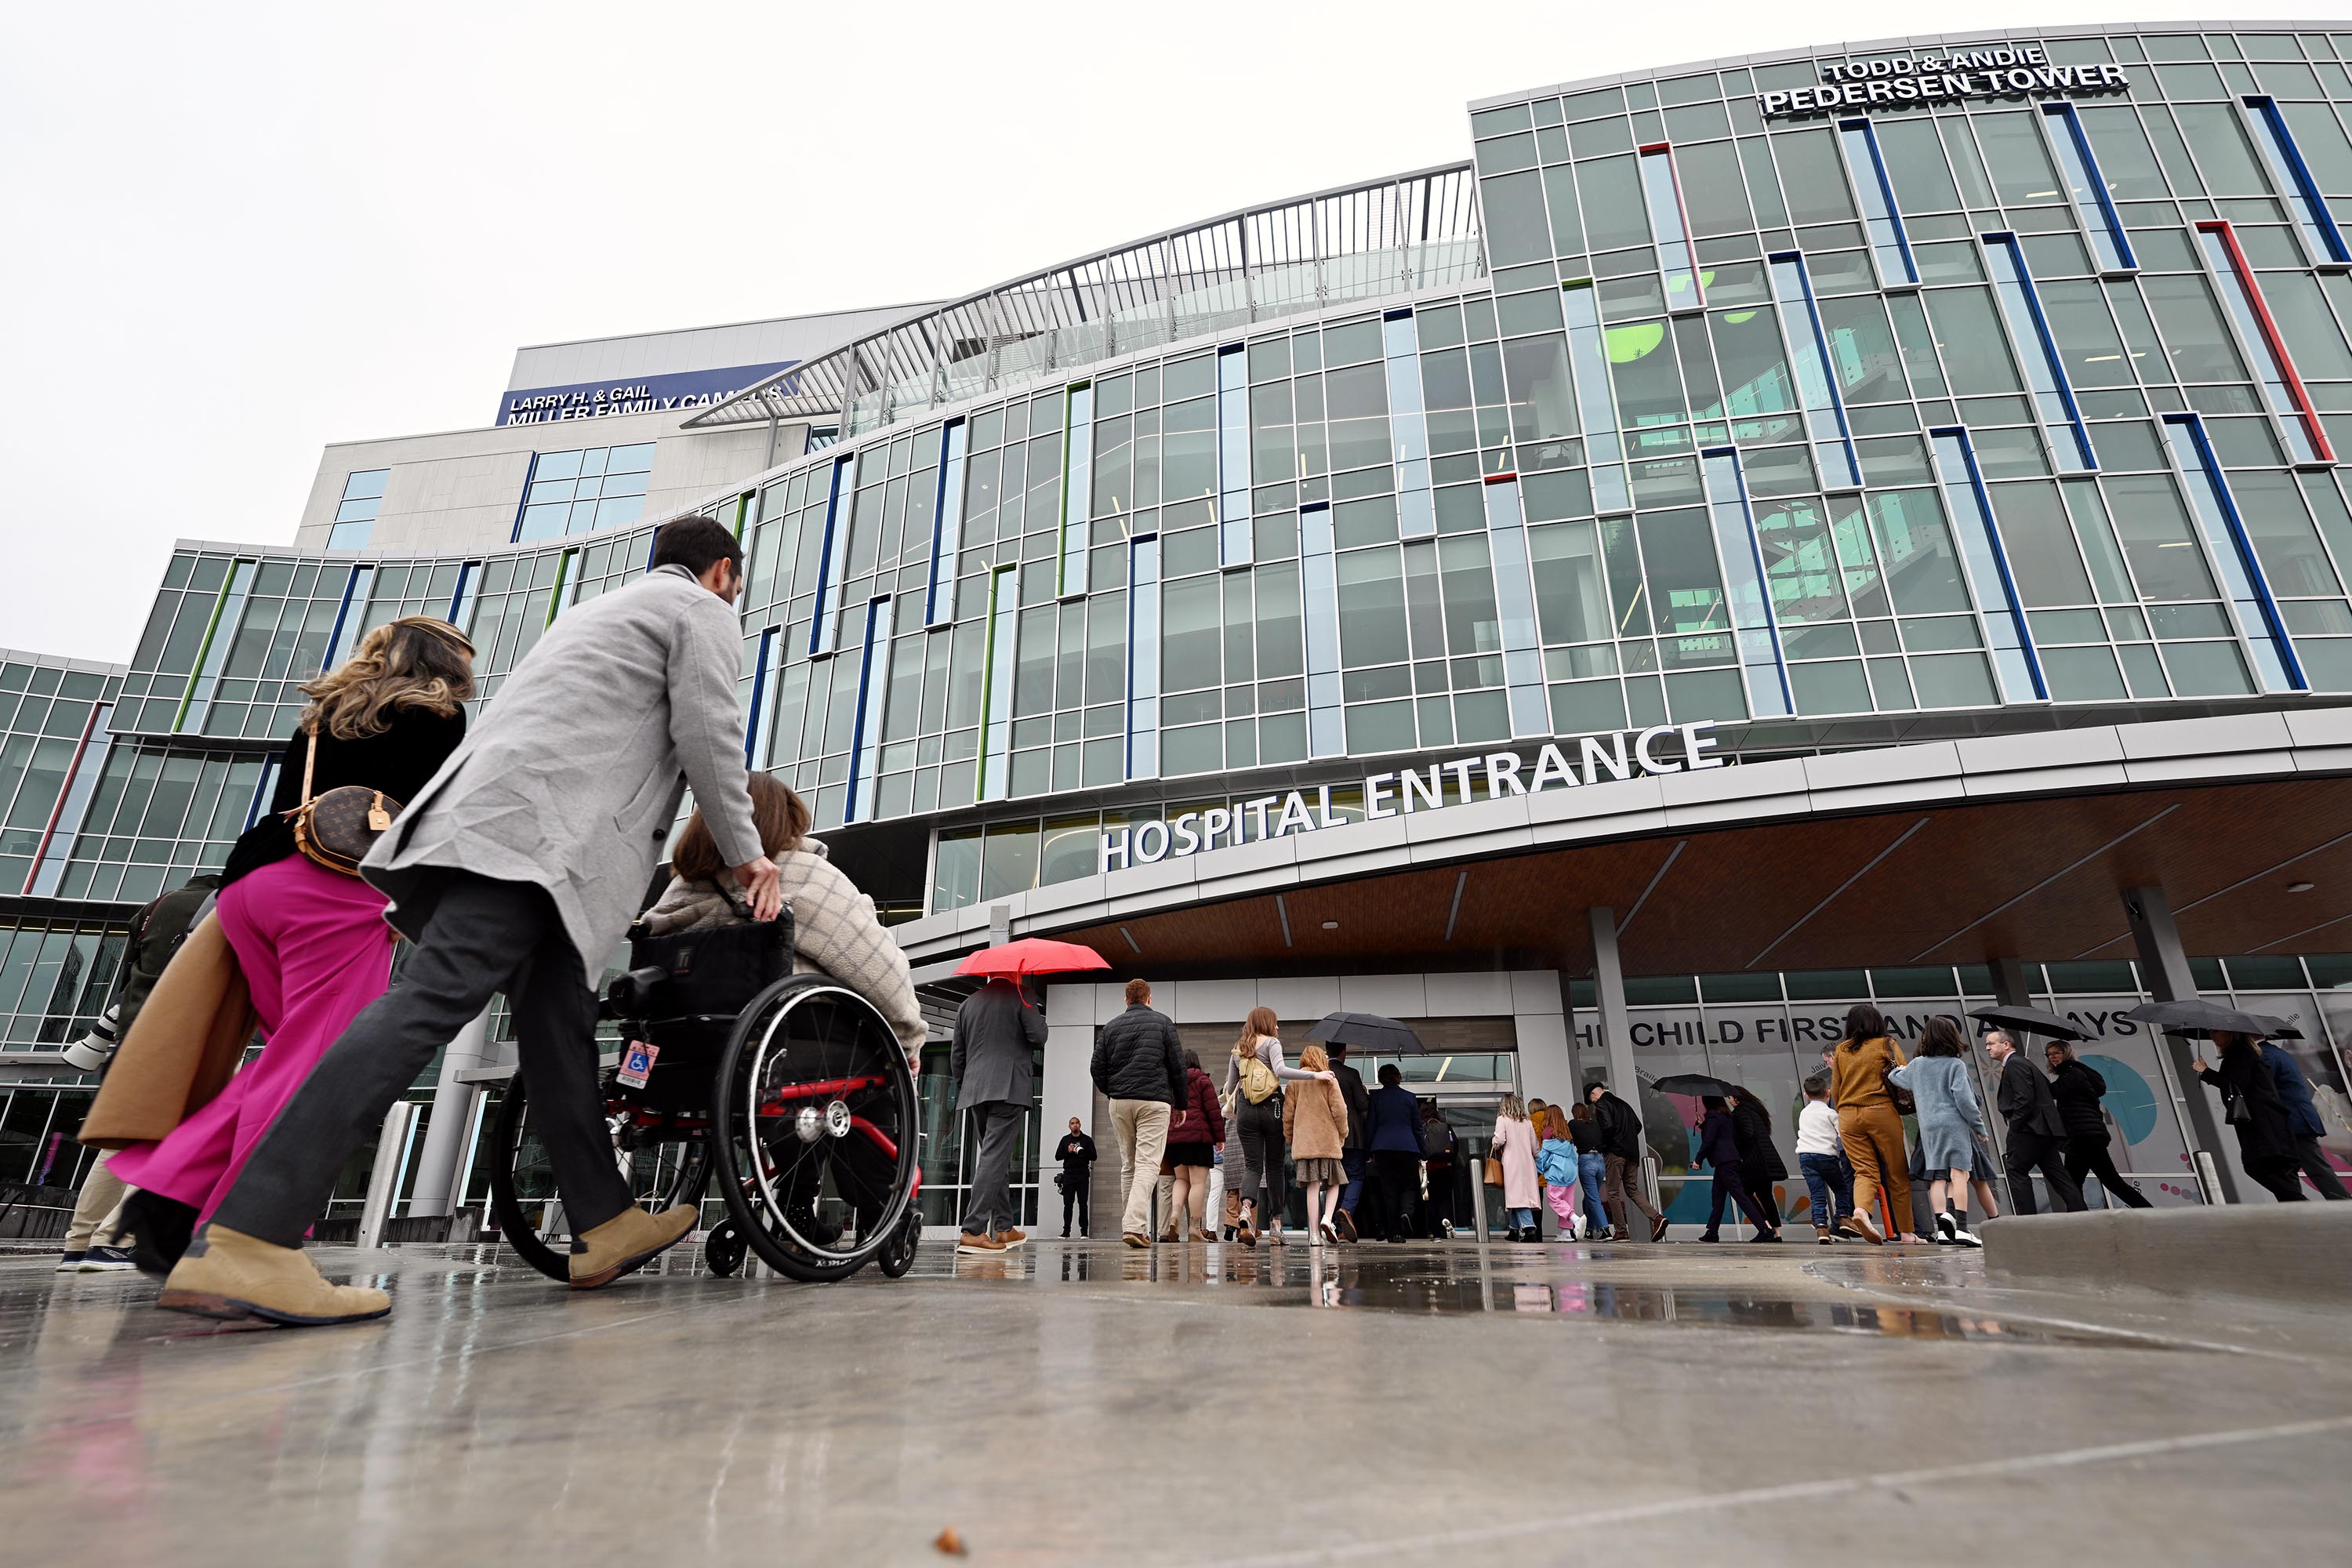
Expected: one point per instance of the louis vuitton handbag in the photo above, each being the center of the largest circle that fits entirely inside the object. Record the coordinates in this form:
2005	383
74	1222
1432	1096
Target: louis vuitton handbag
338	828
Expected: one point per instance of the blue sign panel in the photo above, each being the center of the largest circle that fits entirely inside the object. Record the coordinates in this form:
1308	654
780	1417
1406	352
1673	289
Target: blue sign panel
636	394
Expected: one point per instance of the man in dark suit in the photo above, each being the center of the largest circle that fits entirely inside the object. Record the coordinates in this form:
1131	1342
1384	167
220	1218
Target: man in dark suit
993	1063
2037	1131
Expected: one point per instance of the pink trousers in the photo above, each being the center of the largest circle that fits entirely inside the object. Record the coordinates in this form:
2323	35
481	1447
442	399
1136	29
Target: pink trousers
315	949
1563	1204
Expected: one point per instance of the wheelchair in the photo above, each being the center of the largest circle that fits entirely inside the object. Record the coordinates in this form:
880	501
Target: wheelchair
791	1091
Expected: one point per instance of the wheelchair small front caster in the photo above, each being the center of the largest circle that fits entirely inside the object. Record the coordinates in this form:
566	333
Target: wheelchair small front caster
724	1250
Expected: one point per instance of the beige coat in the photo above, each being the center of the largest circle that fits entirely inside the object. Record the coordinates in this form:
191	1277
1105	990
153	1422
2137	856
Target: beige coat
182	1048
1315	1120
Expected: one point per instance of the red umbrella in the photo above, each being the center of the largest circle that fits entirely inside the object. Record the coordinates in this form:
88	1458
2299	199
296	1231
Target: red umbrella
1031	955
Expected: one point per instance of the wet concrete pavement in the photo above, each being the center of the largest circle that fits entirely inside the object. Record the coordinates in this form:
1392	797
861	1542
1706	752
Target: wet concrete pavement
1075	1402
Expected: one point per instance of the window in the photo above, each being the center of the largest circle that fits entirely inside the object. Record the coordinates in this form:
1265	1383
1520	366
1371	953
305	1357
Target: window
355	517
574	492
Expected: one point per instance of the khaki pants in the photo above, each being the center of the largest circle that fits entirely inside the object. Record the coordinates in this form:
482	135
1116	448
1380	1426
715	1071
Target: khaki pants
1142	1126
98	1211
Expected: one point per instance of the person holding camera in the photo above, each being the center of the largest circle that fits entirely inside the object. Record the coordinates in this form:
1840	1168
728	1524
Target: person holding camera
1076	1153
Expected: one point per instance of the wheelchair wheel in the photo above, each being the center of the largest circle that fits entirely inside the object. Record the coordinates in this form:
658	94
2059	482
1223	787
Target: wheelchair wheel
724	1249
667	1163
897	1254
814	1113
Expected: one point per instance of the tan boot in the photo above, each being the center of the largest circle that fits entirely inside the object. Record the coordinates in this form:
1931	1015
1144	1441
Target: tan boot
630	1239
229	1275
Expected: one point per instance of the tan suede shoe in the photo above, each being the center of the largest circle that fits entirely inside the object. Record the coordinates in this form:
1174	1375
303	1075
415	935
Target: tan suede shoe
228	1275
630	1239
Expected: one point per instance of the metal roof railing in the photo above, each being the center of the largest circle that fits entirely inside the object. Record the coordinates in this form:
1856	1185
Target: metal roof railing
1361	241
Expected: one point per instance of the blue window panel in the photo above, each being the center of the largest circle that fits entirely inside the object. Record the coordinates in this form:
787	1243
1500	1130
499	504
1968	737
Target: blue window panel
1662	193
1408	427
465	596
2045	372
1318	574
946	527
264	790
1816	387
356	590
996	683
2322	240
1515	603
866	739
2241	570
1078	486
1754	627
759	730
833	558
1143	658
2079	166
2017	666
1233	543
1890	243
1596	403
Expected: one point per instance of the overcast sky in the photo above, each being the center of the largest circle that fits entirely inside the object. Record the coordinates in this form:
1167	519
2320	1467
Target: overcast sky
236	233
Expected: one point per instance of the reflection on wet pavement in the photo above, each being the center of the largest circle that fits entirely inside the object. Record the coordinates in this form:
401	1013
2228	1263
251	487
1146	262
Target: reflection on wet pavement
1467	1280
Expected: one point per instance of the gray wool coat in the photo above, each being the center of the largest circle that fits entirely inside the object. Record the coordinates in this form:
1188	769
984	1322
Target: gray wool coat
996	1034
575	772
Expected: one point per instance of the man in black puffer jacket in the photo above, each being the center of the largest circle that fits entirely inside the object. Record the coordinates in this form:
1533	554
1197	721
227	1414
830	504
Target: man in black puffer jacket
1138	1065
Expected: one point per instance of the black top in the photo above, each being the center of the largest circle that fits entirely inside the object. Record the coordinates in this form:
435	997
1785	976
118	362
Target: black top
1754	1135
2078	1088
1075	1149
1585	1134
397	760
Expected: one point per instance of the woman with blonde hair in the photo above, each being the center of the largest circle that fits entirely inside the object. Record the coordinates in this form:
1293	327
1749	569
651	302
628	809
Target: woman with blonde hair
1254	1080
1514	1145
1315	1126
311	940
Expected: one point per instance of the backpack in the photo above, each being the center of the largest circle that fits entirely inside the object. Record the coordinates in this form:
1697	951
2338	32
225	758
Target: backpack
1257	1079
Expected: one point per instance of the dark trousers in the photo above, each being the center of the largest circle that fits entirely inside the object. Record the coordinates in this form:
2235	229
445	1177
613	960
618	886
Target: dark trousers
2090	1155
1400	1185
2030	1150
1760	1189
483	936
1261	1149
1830	1180
1352	1161
2280	1177
1731	1186
1075	1179
2314	1160
996	1127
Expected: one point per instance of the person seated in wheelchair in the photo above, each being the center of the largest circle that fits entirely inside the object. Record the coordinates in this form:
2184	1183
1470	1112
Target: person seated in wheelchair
835	929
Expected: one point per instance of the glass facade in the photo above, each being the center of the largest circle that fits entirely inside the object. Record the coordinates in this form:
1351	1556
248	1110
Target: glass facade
580	492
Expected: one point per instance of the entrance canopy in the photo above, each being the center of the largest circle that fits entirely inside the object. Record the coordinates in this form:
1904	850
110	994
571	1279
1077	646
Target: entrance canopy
1955	852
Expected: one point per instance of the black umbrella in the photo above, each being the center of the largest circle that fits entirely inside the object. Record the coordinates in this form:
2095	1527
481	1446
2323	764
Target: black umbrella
2030	1021
2195	1016
1696	1083
1370	1031
2281	1028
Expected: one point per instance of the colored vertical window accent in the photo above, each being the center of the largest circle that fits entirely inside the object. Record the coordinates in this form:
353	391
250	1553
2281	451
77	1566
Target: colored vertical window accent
2298	421
1234	544
82	773
1077	486
996	683
1318	579
1514	602
567	578
2045	372
1755	628
1143	658
2016	664
1408	427
2321	237
865	738
1662	193
356	591
1809	362
947	526
833	559
2079	166
1596	405
228	611
2233	553
1890	243
759	728
465	596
